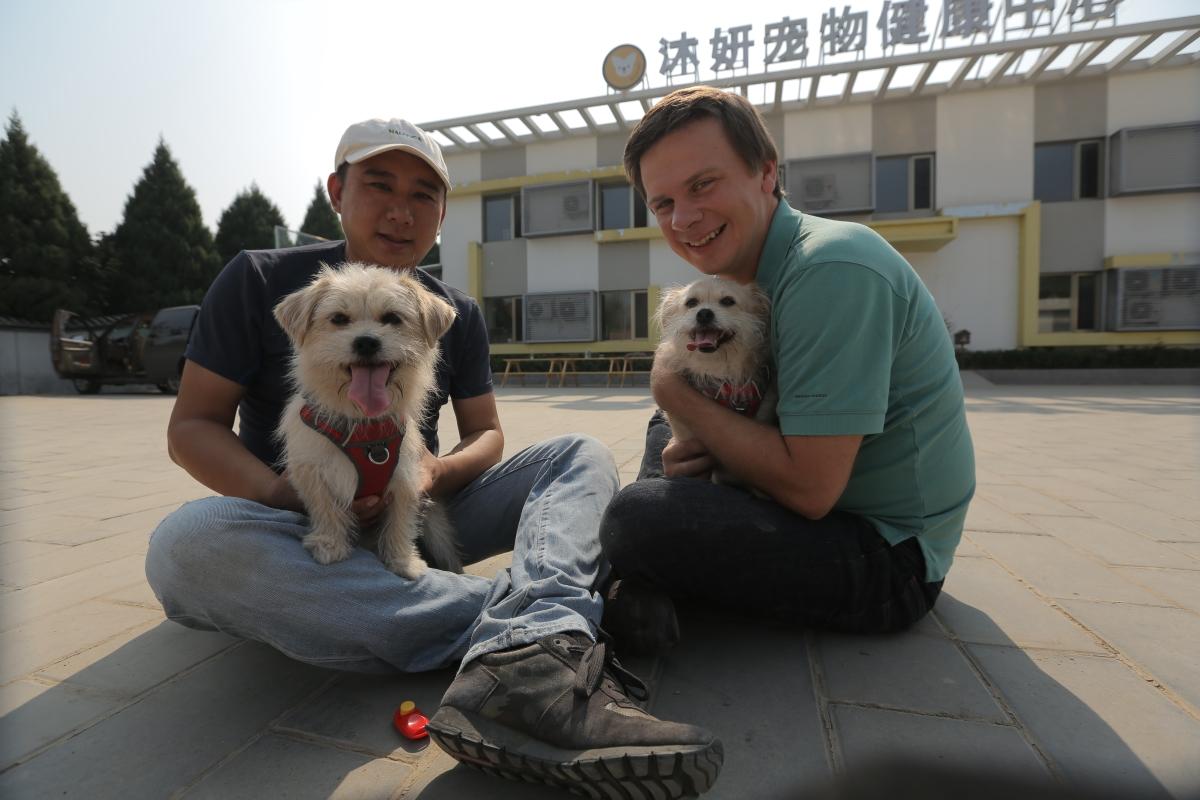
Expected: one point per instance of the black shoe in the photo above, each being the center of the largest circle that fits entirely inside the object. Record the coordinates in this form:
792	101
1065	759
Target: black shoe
640	618
554	712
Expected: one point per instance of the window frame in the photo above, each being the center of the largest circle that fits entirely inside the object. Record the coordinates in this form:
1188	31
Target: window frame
514	212
1077	168
1072	303
635	204
910	185
516	310
634	321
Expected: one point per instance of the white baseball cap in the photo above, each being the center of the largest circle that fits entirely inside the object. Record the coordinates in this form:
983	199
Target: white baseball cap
374	136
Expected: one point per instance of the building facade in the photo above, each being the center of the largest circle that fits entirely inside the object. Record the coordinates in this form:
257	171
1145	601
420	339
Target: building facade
1046	190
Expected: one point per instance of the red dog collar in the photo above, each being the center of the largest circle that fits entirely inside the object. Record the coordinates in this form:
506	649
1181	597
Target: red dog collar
372	446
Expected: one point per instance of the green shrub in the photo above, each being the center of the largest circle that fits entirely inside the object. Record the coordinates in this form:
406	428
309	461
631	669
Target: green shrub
1080	358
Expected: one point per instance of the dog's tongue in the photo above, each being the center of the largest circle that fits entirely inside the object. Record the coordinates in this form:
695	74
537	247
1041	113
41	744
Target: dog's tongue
704	341
368	388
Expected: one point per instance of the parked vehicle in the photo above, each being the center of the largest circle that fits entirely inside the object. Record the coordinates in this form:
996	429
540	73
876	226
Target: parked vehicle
146	347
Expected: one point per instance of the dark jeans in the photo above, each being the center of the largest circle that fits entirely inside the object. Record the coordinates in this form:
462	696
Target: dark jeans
722	547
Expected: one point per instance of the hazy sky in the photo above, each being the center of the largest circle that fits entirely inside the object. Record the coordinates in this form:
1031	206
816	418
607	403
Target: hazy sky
255	91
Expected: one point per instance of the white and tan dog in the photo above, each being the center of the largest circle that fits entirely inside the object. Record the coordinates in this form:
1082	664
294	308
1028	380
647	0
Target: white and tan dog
715	333
365	343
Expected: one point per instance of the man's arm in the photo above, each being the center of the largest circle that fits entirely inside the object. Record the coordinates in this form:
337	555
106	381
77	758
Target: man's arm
481	445
806	474
200	439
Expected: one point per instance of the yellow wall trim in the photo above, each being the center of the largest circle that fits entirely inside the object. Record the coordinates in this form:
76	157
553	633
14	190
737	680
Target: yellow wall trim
921	234
1150	260
1115	338
508	184
628	235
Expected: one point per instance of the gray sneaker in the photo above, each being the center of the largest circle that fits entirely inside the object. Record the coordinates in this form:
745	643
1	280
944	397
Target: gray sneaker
558	711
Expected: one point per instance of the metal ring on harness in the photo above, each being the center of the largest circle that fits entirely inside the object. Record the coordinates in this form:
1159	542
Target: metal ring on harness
378	454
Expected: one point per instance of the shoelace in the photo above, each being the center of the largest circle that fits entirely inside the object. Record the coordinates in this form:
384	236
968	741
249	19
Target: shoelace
597	660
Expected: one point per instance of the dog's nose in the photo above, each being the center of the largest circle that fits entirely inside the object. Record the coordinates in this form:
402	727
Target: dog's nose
366	346
705	316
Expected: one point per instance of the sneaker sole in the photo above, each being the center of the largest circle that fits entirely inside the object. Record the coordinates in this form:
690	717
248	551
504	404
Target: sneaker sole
613	773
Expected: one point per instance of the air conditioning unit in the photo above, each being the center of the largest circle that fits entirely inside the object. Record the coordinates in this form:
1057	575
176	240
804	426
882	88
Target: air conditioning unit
1154	299
574	207
818	191
560	317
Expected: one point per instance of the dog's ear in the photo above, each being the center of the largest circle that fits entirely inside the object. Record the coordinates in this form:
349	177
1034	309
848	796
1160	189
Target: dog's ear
668	304
436	316
295	312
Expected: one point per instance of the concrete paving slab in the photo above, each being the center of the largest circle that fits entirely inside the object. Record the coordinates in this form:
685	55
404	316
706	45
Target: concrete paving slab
23	606
984	515
156	746
1024	500
138	661
982	602
299	770
33	714
64	633
1138	632
1056	570
16	550
1180	586
870	735
355	711
1112	544
751	686
1145	519
1102	726
440	777
30	571
924	674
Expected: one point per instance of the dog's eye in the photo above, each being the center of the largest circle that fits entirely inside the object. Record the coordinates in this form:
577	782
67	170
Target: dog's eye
691	303
340	319
728	301
391	318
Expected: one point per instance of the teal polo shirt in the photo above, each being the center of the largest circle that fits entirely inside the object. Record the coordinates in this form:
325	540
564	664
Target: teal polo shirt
860	348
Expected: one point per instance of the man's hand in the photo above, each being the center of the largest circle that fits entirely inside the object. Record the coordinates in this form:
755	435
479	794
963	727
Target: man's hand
431	472
687	458
283	495
365	509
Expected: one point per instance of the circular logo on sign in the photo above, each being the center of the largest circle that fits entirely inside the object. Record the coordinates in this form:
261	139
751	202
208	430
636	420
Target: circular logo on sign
624	67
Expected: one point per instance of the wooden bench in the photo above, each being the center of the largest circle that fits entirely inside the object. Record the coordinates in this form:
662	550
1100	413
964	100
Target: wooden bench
619	365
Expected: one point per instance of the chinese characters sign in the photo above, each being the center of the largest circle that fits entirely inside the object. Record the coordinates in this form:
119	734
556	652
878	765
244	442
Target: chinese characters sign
900	22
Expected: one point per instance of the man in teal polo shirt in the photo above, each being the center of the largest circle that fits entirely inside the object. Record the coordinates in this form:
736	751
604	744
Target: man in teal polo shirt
871	467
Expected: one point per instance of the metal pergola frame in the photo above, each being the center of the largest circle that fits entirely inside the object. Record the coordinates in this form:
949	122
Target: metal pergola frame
1009	68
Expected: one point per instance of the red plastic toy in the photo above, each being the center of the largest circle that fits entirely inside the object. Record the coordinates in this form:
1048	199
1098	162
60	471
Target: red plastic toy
410	722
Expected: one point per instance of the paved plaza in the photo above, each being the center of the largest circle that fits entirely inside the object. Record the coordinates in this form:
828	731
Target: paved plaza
1066	645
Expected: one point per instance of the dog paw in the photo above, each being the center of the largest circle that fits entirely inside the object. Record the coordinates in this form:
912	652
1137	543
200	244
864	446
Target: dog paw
325	550
412	567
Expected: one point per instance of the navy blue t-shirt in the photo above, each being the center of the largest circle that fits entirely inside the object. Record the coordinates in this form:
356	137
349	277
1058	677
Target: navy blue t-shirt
237	337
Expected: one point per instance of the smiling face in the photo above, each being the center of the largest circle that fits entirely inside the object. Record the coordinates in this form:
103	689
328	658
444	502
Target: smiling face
714	328
713	209
392	206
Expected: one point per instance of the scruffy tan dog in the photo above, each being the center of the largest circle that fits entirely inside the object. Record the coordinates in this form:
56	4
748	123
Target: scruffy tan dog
366	345
715	335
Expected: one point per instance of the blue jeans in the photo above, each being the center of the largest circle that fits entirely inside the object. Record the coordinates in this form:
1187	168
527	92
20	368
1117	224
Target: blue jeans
238	566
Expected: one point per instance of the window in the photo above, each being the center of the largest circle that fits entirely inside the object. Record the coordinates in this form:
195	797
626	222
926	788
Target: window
1067	171
501	217
505	319
620	207
624	315
834	185
557	209
1068	302
903	183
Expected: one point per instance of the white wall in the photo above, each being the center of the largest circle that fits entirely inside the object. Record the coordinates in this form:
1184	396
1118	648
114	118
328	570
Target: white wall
1155	98
1153	223
464	223
668	269
25	366
563	263
558	156
464	167
974	280
985	147
827	131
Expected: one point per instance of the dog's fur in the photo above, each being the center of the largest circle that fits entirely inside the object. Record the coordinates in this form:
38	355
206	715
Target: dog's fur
716	331
323	320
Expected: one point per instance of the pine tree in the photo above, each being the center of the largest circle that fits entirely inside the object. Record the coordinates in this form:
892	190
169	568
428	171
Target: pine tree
163	254
248	224
320	219
45	253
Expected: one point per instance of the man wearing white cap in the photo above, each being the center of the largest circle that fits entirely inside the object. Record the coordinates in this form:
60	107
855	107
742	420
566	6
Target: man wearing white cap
537	697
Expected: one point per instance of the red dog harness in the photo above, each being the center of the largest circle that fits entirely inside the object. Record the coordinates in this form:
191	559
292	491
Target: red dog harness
371	446
745	399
